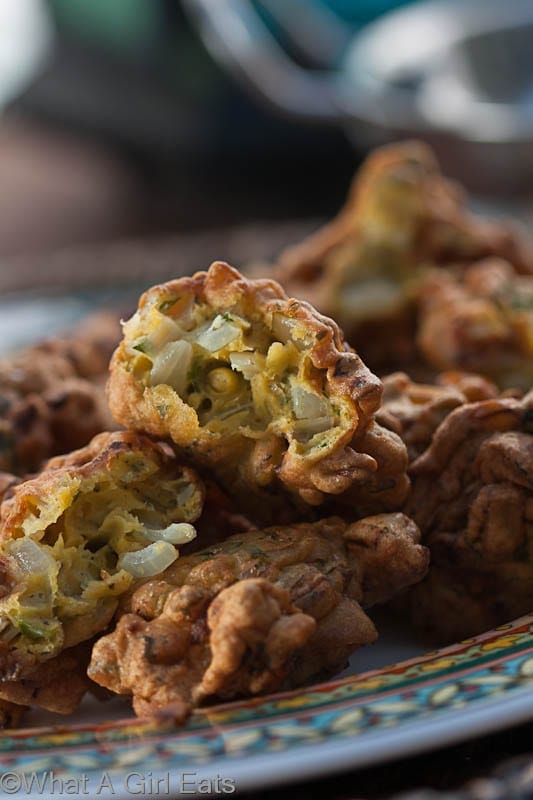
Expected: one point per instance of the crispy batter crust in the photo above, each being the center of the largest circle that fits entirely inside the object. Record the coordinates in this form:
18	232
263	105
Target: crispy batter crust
131	458
85	353
473	500
11	714
399	188
96	457
481	320
415	410
260	611
364	267
52	395
58	685
246	463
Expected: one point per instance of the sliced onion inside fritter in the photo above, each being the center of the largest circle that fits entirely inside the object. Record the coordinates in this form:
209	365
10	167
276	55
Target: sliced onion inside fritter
80	534
259	387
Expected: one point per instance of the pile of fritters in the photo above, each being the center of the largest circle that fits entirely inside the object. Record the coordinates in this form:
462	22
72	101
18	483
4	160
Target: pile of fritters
242	407
414	279
52	397
420	285
300	488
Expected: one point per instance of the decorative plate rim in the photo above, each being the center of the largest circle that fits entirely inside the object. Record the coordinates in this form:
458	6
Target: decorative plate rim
440	697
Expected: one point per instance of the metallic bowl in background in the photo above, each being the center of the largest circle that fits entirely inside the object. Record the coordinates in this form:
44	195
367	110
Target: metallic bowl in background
458	73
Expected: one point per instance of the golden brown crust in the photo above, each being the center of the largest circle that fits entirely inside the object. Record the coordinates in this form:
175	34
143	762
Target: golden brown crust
473	500
415	410
99	456
11	714
388	548
253	632
52	395
399	188
58	685
481	320
119	481
251	459
260	611
60	419
364	267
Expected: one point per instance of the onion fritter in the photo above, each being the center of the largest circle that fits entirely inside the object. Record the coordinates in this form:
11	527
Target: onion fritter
472	498
415	410
258	612
364	267
76	537
52	396
480	320
260	388
11	714
84	353
57	685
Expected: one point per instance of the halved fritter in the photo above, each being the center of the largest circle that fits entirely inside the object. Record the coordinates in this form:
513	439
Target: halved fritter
77	536
261	611
260	388
363	268
480	320
472	498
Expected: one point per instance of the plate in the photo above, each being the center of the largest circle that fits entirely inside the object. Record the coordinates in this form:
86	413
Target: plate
394	700
435	699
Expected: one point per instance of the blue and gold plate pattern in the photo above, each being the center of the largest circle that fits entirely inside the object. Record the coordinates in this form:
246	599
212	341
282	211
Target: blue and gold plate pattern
473	687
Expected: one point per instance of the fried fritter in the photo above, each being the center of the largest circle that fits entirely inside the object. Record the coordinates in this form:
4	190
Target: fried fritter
261	611
261	389
11	714
62	418
472	498
415	410
84	353
57	685
52	395
74	538
363	268
480	320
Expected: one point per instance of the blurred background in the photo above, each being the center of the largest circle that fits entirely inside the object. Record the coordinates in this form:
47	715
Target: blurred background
125	118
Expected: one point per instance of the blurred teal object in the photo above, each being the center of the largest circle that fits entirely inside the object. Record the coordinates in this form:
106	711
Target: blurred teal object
458	73
130	24
360	12
119	24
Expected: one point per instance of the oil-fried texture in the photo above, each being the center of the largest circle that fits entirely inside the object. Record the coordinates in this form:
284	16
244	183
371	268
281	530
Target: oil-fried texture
260	388
74	538
84	353
473	501
261	611
62	418
11	714
363	268
241	642
415	410
52	394
480	320
58	685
